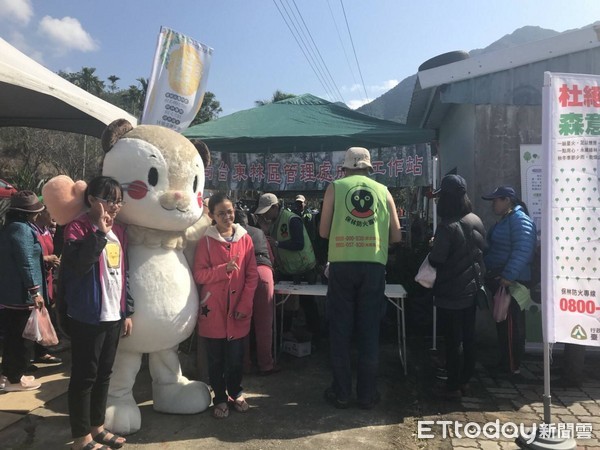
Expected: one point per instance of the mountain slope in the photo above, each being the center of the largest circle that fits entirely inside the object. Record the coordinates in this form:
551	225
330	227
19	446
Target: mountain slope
394	104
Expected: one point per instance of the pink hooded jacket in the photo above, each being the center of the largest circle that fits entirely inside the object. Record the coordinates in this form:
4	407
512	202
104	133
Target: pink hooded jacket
221	293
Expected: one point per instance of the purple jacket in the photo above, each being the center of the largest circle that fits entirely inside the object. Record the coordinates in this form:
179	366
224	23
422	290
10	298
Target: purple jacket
81	270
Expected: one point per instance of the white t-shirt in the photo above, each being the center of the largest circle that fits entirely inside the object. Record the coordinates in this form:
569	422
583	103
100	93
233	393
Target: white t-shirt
111	280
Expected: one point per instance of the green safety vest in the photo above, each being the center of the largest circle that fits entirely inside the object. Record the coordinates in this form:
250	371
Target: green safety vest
360	227
292	262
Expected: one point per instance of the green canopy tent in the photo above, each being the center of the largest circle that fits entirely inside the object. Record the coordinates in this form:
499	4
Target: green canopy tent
298	144
303	124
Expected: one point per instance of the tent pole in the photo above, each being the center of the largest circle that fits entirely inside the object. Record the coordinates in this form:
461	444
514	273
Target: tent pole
434	215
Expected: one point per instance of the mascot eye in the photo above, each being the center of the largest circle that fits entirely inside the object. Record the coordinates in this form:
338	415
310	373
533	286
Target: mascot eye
357	197
367	197
153	177
195	184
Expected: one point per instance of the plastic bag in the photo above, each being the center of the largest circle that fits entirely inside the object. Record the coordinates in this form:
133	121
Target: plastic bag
481	298
426	275
32	329
501	304
39	328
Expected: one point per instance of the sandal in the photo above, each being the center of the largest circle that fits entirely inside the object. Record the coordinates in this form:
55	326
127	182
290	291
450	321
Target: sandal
241	405
221	411
112	442
48	359
92	446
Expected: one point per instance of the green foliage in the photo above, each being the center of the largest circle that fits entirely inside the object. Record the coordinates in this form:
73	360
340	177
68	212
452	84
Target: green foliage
29	156
277	96
25	179
210	109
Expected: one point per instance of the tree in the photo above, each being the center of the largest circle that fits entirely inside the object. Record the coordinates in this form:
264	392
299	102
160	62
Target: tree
89	82
210	109
277	96
113	82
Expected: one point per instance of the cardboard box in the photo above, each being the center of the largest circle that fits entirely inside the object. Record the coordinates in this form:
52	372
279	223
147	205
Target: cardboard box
298	349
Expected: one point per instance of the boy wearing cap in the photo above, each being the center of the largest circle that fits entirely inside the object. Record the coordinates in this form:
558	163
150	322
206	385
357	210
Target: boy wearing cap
294	255
359	219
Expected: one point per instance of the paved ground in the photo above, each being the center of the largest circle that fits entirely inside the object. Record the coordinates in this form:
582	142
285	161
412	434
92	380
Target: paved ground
288	410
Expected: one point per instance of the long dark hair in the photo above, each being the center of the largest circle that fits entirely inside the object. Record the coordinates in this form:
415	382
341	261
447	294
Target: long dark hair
451	204
103	187
217	198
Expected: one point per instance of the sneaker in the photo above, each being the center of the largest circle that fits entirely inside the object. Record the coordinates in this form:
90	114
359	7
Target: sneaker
331	397
3	381
48	359
26	384
370	405
441	374
447	394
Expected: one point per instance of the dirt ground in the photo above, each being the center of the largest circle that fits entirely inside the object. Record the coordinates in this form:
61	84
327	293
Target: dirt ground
287	411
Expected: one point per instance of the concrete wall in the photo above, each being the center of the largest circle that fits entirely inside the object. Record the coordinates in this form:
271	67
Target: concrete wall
482	142
457	143
500	130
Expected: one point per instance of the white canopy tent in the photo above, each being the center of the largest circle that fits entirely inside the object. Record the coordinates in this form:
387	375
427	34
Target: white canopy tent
33	96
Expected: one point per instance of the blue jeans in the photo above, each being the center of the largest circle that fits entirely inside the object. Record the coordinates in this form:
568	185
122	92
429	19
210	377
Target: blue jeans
355	304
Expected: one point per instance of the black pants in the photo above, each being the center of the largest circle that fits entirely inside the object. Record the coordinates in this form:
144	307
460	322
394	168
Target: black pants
458	326
15	357
225	367
511	331
93	350
511	337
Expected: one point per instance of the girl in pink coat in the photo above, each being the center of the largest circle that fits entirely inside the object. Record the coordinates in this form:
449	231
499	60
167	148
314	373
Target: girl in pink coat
225	269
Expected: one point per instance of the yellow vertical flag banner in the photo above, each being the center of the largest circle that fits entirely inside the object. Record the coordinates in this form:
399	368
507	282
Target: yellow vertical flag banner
178	81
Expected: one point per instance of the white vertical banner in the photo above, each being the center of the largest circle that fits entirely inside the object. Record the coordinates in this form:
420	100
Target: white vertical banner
571	209
178	81
531	182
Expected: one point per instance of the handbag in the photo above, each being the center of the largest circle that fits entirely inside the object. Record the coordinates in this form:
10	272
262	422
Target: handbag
501	304
426	274
39	328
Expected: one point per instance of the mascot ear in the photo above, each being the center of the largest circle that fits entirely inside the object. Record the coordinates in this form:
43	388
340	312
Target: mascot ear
64	198
113	132
202	150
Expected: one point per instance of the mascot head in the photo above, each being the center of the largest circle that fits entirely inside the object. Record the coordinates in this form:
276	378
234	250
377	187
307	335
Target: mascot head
161	171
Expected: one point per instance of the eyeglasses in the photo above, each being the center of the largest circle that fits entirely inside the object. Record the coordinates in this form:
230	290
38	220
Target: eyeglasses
111	203
223	214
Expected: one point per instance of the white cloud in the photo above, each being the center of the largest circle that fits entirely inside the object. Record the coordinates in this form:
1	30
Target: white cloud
67	34
353	104
19	11
374	90
19	41
385	86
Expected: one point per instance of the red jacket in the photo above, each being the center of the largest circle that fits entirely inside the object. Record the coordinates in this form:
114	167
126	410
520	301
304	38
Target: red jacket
221	293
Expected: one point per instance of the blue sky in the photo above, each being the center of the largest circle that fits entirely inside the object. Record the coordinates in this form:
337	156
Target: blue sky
254	51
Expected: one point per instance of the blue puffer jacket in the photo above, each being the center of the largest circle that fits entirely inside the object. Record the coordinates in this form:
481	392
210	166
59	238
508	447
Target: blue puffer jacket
511	245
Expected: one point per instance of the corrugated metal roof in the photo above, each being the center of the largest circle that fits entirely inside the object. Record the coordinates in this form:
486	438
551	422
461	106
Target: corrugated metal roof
520	85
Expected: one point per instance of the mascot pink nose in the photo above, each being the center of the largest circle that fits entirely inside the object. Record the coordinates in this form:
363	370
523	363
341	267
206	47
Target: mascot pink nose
177	195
